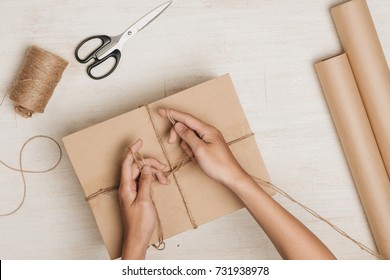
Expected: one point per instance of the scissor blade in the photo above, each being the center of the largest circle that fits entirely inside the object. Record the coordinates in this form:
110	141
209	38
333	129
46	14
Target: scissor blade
149	17
117	42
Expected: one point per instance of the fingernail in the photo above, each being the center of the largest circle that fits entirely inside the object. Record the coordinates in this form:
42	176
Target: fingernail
146	170
179	126
161	111
170	139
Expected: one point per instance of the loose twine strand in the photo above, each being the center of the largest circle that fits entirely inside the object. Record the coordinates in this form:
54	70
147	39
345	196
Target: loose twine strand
318	216
23	171
33	89
161	244
259	182
4	96
141	162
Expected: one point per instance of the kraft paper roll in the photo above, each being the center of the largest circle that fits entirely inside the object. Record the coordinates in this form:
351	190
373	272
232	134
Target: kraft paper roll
359	144
361	43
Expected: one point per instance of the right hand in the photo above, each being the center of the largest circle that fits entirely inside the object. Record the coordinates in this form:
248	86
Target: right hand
204	142
207	145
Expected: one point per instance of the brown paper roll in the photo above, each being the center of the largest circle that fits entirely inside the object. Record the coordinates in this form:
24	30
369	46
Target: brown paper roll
360	148
361	43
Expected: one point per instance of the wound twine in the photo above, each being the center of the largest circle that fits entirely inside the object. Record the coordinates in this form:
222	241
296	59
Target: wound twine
23	171
37	79
172	169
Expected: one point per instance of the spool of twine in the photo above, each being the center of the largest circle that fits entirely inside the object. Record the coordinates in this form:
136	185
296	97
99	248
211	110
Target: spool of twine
38	77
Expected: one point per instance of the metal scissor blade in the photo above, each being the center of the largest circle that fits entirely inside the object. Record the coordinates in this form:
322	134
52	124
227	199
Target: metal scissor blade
117	42
148	18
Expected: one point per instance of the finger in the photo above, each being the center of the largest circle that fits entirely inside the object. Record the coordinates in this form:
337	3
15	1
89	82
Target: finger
135	171
160	177
172	136
189	136
163	112
144	184
155	163
127	187
126	170
186	149
190	121
136	146
127	193
172	133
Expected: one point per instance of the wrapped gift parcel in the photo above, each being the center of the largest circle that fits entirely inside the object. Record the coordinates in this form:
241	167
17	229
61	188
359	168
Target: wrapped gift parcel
192	198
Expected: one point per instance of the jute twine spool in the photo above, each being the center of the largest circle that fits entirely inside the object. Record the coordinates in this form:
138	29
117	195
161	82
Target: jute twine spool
38	77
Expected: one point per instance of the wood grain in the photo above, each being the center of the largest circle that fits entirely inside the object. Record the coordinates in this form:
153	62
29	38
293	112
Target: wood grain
268	47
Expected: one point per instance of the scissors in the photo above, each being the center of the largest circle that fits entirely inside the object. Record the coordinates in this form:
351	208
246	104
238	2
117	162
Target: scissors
111	45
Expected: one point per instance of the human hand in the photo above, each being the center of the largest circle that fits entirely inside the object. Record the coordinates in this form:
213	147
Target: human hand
138	210
207	145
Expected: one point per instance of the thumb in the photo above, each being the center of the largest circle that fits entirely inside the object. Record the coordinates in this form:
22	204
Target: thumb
188	136
145	184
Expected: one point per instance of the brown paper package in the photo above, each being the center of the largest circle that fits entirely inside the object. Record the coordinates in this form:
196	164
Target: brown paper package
360	147
361	43
96	154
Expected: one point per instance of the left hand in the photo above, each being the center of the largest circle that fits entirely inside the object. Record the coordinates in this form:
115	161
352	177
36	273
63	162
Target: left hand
138	210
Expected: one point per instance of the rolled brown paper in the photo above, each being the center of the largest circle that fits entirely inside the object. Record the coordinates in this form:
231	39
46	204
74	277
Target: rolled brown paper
359	145
38	77
361	43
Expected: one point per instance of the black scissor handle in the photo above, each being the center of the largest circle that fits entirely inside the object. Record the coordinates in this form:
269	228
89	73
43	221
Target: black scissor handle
105	41
116	54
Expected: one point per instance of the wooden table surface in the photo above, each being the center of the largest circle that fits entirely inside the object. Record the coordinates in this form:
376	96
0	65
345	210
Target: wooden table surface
268	46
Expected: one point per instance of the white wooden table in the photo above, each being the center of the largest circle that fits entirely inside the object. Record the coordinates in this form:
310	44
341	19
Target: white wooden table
268	47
